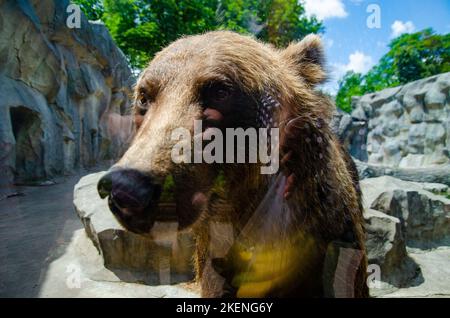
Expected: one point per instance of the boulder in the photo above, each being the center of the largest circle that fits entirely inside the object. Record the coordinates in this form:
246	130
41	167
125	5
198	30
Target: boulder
165	256
162	257
406	222
352	133
439	174
424	216
405	126
436	276
79	273
386	248
436	188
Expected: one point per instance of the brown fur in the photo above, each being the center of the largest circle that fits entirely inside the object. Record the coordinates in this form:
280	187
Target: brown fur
326	199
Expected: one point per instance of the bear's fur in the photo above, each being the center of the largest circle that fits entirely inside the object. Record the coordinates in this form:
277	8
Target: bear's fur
323	192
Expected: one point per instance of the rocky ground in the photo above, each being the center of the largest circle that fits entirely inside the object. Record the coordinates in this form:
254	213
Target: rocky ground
35	227
79	272
47	253
74	85
435	271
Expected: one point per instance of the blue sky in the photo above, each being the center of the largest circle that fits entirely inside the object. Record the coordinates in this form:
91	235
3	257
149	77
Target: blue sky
351	45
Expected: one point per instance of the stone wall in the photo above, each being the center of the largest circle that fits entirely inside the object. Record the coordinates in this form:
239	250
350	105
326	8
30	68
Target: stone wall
64	93
406	126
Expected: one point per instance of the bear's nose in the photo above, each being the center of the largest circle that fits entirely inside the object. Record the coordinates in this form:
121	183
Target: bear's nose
128	188
132	195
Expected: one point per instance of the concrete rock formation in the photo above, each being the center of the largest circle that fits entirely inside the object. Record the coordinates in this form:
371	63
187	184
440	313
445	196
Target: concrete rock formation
386	247
164	257
424	216
63	92
96	281
406	126
404	219
399	215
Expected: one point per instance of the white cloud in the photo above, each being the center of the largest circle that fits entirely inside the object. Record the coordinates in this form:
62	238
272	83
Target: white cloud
399	27
325	9
357	62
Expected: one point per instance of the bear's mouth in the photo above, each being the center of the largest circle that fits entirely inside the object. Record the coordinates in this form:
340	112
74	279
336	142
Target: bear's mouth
184	211
138	220
137	200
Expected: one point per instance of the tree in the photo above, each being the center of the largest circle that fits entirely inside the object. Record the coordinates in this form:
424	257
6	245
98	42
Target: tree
142	27
275	21
349	85
410	57
93	9
420	55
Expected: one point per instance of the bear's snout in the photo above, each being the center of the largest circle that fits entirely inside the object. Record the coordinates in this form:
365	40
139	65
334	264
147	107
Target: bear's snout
132	198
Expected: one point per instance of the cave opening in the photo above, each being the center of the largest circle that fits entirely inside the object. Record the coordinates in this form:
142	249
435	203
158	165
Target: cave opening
29	150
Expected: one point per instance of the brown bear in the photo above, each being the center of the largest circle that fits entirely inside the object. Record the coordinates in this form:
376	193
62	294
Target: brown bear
295	233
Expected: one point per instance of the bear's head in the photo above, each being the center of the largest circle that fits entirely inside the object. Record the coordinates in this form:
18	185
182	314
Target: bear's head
223	80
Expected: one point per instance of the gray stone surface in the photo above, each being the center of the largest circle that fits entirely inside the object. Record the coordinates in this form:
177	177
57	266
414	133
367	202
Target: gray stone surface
79	272
435	282
439	174
162	257
436	188
424	216
406	126
393	226
386	248
408	233
35	225
54	259
63	92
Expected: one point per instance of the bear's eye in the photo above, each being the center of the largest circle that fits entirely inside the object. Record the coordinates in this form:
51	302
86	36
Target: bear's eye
216	94
143	98
143	102
221	94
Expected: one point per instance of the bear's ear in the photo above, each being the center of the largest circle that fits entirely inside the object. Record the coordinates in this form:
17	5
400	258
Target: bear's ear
308	57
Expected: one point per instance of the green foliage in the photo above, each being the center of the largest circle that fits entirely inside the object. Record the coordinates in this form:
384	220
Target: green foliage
420	55
349	85
276	21
142	27
411	57
168	190
93	9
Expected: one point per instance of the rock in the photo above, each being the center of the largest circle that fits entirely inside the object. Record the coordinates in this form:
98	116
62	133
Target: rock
386	248
403	221
424	216
401	218
164	257
436	174
340	123
391	150
359	114
436	188
407	126
352	133
58	88
79	273
436	276
392	108
378	99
